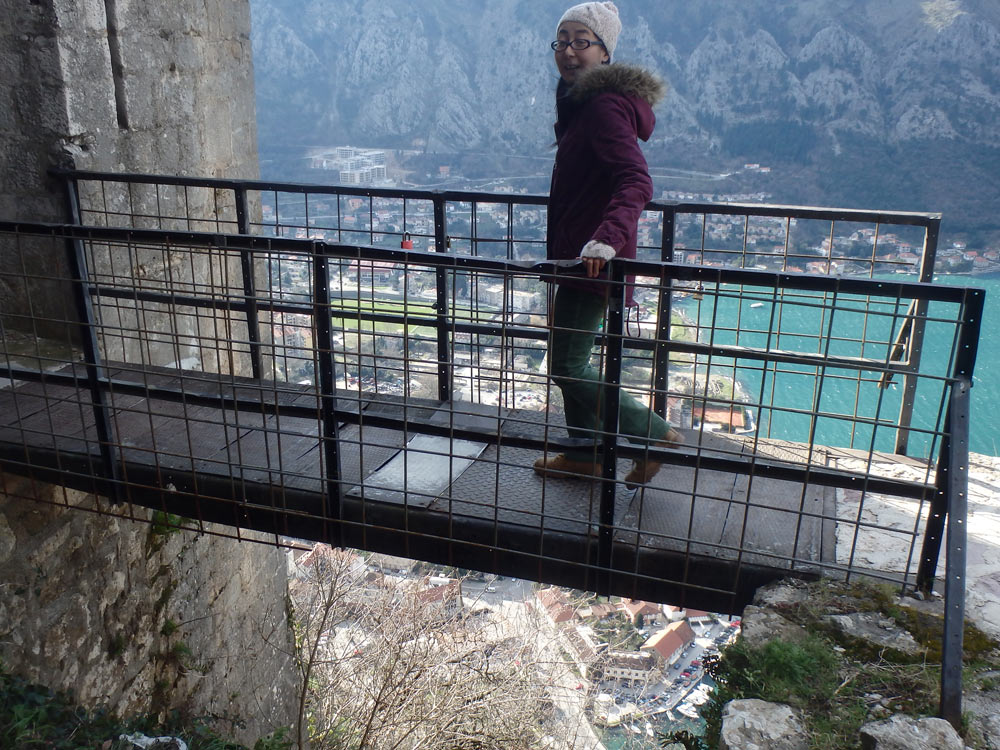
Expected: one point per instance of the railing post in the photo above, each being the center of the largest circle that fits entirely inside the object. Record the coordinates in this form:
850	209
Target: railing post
664	310
965	362
327	382
930	549
954	586
249	285
96	376
917	321
613	329
441	303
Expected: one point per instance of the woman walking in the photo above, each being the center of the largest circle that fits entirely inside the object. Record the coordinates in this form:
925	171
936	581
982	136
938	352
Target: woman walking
600	185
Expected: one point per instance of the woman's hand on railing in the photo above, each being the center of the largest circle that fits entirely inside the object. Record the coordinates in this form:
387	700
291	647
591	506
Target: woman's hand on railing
595	254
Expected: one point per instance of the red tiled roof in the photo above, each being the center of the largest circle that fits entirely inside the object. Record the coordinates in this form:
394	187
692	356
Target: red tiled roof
554	602
602	610
450	590
666	642
731	415
638	607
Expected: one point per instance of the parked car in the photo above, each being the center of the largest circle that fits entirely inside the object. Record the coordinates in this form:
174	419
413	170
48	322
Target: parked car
696	663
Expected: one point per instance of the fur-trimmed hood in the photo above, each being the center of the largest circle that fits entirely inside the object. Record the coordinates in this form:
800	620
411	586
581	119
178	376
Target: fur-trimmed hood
619	78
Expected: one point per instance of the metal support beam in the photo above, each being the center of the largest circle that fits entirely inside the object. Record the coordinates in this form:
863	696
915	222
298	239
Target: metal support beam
327	394
96	376
249	285
613	328
954	586
441	304
664	310
965	362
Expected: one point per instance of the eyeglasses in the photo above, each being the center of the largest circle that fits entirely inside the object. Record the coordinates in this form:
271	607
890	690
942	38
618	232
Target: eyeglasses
577	44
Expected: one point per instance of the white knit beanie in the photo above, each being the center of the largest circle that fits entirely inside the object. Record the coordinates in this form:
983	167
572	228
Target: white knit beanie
601	18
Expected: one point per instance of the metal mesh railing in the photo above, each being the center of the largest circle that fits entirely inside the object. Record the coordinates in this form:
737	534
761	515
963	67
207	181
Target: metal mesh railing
291	371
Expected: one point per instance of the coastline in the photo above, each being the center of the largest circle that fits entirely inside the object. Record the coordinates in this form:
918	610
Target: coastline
986	376
986	273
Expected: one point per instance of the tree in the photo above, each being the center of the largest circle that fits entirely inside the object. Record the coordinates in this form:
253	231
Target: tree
395	663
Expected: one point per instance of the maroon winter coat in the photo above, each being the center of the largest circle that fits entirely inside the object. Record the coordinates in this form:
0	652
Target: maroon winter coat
600	182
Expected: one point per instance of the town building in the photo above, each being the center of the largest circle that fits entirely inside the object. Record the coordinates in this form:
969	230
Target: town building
669	643
642	613
555	605
354	166
629	665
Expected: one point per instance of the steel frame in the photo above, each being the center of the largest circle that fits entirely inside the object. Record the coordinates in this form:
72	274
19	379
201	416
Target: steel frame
948	505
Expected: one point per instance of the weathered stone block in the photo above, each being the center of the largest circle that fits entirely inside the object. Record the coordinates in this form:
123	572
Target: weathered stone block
781	593
751	724
761	625
876	629
991	731
905	733
92	620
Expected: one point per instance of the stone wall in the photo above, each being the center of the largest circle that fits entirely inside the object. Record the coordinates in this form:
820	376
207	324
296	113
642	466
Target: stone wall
111	609
113	85
122	86
140	617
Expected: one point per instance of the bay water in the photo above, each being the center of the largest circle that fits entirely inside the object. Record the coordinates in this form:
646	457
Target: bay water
854	409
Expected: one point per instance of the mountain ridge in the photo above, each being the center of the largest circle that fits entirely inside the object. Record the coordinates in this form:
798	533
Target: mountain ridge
898	85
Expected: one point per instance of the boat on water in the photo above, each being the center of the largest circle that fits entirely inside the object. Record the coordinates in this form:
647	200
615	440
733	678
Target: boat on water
686	709
698	697
756	304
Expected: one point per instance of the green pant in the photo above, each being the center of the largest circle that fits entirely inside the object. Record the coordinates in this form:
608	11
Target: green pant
576	317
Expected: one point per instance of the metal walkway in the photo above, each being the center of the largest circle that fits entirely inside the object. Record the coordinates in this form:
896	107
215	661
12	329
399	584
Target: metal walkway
822	392
228	451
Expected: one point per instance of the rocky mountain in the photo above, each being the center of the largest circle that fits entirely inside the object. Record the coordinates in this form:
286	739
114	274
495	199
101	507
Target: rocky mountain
875	103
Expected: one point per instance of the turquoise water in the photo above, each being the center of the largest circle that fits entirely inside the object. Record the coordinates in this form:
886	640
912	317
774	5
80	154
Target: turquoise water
620	738
854	410
985	438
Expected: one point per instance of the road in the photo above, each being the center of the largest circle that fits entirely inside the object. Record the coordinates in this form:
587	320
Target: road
675	692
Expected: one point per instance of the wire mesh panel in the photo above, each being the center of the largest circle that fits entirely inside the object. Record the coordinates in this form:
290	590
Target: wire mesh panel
373	367
786	465
380	369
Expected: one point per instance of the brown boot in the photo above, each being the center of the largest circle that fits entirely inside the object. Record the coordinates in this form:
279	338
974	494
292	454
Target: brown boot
560	466
644	470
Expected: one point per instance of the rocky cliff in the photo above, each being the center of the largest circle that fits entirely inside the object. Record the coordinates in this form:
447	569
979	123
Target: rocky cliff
836	666
860	103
